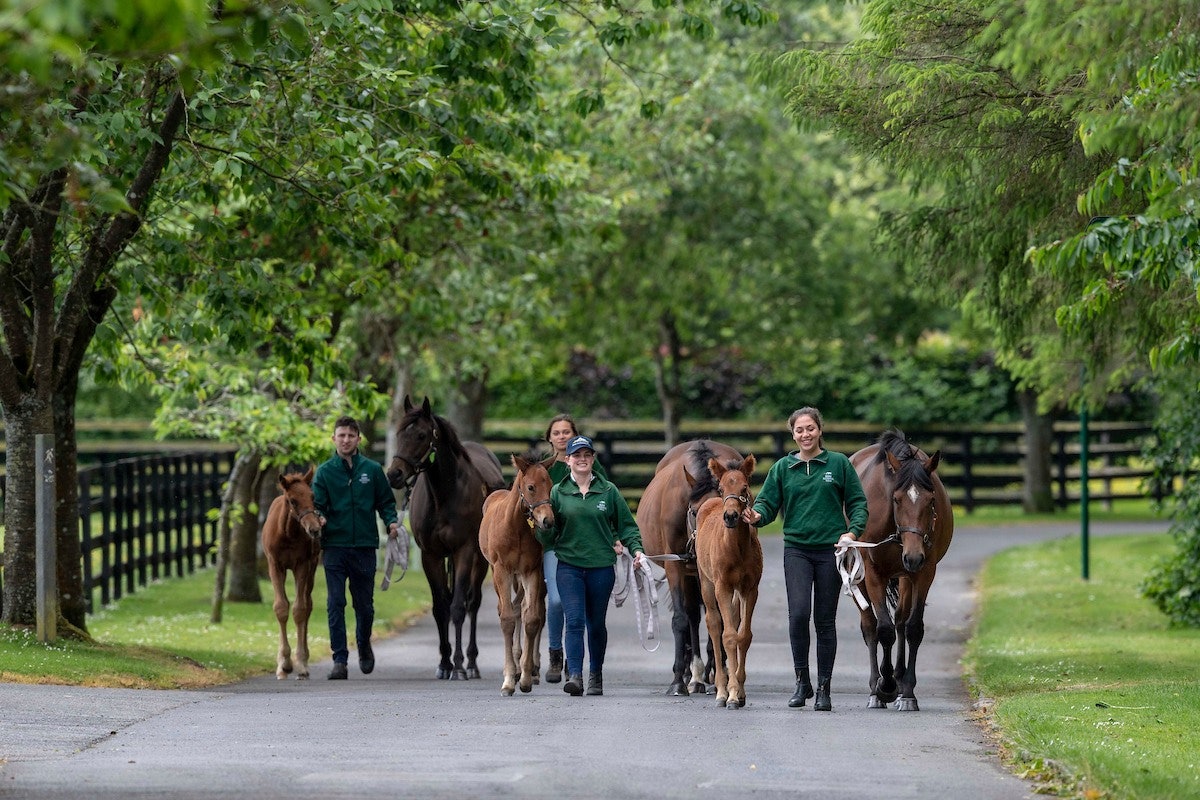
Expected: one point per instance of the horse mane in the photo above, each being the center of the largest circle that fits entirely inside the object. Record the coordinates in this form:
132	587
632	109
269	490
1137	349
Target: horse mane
698	455
912	467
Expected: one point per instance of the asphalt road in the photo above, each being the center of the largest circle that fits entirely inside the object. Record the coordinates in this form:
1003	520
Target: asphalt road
400	732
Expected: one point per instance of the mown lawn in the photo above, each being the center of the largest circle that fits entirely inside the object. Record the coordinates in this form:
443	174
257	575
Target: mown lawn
162	637
1090	687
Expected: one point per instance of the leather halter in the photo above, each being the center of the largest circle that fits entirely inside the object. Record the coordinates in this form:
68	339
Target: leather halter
422	464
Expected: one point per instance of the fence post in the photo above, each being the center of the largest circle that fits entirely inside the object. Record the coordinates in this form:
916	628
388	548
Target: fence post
47	546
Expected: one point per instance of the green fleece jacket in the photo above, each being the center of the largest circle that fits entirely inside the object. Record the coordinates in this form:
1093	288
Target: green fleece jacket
349	497
588	526
820	499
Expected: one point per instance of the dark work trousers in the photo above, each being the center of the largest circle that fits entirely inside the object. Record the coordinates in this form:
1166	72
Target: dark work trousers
356	566
585	592
813	587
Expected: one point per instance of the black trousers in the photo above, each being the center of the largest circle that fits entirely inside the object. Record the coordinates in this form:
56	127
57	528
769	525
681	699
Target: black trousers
813	587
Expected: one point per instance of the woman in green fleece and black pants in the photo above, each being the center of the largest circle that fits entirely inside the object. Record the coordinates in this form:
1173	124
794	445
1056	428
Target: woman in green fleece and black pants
592	525
822	501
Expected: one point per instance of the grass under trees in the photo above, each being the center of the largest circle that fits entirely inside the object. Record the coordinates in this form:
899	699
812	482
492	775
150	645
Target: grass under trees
1091	691
161	637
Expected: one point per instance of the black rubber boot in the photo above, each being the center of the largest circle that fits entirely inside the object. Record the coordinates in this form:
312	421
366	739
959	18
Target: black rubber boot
574	685
822	703
803	689
595	683
554	671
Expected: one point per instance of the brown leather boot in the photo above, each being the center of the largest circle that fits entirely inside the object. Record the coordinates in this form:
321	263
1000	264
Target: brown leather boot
554	671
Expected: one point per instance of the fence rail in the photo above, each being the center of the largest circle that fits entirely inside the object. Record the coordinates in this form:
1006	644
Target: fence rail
146	518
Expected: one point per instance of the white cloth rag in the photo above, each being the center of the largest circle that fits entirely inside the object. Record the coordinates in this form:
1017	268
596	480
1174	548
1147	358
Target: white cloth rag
395	555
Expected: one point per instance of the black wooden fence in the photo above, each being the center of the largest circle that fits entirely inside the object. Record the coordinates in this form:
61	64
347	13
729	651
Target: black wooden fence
142	519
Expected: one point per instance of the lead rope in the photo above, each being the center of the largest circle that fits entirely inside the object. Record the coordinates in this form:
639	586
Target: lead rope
641	584
852	569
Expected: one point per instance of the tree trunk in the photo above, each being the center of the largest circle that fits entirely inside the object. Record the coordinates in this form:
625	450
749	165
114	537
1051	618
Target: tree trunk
22	424
668	376
467	407
243	544
401	388
246	463
1037	495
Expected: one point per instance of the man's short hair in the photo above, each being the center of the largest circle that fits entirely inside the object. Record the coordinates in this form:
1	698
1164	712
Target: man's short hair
347	422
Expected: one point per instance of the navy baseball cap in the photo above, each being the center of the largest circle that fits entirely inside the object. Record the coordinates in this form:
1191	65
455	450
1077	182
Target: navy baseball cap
580	443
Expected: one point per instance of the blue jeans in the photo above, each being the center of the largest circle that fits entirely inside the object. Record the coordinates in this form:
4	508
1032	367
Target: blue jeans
356	566
813	587
585	593
554	610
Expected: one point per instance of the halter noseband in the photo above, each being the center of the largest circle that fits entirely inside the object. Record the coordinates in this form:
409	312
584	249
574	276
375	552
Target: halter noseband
422	464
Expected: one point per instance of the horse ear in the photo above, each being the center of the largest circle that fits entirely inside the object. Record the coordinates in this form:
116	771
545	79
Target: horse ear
282	481
748	465
893	462
520	463
408	403
425	406
549	462
688	476
933	461
716	468
308	476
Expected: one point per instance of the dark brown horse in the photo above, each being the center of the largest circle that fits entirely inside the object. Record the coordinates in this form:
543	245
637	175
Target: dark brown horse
730	561
666	517
447	481
911	523
507	541
291	540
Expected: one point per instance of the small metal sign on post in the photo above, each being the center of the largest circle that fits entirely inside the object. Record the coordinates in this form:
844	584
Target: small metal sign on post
47	545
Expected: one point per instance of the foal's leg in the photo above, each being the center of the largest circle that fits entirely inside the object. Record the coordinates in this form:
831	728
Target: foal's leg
727	674
713	621
283	657
531	623
508	623
304	575
745	636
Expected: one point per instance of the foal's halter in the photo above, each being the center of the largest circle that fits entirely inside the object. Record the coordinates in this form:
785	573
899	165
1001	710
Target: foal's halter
529	507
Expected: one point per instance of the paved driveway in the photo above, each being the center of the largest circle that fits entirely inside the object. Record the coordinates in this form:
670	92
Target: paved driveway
401	733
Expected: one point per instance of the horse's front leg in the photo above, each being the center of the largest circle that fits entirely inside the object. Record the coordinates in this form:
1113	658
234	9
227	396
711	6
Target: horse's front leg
679	630
508	625
281	606
474	600
439	593
301	613
714	622
533	617
906	663
745	637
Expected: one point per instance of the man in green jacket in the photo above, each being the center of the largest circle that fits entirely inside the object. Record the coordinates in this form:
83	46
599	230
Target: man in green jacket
349	490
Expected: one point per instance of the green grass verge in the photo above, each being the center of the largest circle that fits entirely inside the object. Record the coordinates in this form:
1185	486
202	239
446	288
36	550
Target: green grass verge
162	637
1092	689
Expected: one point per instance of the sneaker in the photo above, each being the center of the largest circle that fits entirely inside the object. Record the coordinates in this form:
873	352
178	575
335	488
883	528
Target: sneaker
366	658
339	672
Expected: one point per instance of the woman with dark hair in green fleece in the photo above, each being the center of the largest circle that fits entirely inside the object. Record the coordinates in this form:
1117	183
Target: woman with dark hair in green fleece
821	500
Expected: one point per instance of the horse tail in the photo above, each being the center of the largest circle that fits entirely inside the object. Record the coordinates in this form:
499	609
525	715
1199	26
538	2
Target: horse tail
893	593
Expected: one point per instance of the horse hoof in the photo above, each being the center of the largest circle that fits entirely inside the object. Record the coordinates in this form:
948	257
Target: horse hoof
677	690
721	702
697	688
906	704
874	702
506	691
473	672
458	675
303	676
735	704
526	688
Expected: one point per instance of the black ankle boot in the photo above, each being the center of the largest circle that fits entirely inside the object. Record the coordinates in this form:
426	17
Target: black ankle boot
595	683
803	689
554	672
822	703
574	685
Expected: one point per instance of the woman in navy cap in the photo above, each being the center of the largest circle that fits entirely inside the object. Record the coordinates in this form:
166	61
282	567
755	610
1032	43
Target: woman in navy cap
593	525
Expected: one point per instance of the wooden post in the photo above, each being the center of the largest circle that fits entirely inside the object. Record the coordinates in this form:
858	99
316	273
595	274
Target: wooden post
47	545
